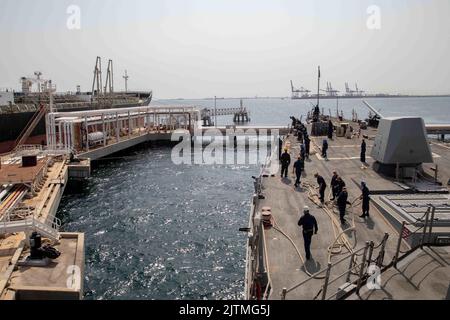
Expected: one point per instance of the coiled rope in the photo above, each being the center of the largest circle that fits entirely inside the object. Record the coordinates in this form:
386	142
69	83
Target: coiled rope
340	239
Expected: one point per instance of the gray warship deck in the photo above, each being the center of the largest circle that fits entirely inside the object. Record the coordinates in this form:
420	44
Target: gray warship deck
284	266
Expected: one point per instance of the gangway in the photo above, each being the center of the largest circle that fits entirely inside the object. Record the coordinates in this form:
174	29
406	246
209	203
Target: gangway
28	129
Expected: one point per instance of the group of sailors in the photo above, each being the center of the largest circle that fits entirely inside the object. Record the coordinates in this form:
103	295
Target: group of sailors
340	194
301	132
338	188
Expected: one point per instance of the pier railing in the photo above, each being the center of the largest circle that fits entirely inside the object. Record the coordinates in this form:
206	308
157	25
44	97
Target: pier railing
58	149
223	111
24	220
74	130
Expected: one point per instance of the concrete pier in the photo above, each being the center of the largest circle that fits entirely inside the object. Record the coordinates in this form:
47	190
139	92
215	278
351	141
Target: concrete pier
61	280
37	212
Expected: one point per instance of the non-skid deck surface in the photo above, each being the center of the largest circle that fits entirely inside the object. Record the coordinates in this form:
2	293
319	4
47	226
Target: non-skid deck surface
425	275
285	267
441	157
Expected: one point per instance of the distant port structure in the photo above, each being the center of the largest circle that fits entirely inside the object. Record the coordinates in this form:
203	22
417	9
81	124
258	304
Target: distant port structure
240	114
331	93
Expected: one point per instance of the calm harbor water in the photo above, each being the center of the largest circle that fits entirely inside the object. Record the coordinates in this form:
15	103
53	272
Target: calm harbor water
278	111
155	230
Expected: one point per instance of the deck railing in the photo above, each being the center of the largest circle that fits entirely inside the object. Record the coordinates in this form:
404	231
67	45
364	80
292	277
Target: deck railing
257	264
358	268
366	253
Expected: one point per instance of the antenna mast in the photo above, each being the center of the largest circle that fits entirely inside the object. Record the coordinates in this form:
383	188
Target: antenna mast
126	81
318	86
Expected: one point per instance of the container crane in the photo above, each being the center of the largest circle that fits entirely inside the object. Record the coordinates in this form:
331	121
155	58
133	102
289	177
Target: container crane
299	93
330	91
348	91
358	92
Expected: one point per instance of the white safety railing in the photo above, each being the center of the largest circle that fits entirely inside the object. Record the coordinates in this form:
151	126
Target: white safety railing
40	150
71	129
24	220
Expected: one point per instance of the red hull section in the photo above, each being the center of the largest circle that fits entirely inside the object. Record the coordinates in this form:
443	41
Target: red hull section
7	146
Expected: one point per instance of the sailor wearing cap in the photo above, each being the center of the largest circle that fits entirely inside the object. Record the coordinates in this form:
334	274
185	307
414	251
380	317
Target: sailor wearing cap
365	197
309	224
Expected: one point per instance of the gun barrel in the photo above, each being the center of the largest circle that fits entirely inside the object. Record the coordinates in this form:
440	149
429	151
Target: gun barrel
373	109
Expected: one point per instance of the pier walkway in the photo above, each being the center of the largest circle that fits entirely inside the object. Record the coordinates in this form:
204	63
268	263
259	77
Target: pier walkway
97	133
44	186
441	155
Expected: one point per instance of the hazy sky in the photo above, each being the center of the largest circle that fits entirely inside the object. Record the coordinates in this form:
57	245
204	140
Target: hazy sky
202	48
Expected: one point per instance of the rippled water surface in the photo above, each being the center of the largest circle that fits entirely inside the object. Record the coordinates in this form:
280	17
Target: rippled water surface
159	231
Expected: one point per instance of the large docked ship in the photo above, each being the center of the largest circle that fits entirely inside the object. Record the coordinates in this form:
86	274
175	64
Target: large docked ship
18	110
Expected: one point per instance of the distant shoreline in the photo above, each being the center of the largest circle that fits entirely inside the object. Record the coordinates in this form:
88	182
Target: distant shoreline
315	98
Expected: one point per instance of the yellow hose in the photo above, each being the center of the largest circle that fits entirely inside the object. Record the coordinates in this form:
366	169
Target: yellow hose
340	240
277	228
313	196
